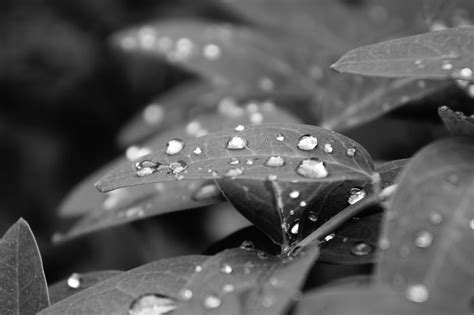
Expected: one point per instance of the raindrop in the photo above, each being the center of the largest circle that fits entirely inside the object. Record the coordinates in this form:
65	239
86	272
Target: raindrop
294	229
294	194
313	216
329	237
465	74
146	167
174	146
328	148
307	143
361	249
233	172
212	302
262	255
240	128
153	114
74	281
197	151
303	204
247	245
312	168
236	143
350	152
177	167
206	192
280	137
423	239
228	288
275	161
356	195
272	177
435	218
186	294
417	293
234	161
211	51
226	268
152	304
198	268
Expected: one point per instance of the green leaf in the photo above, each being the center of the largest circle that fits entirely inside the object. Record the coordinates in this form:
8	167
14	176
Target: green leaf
390	171
457	123
23	288
442	54
237	281
429	228
76	282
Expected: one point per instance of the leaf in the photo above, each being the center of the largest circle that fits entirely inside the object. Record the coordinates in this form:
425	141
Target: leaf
442	54
23	288
78	282
457	123
390	171
261	153
429	228
237	281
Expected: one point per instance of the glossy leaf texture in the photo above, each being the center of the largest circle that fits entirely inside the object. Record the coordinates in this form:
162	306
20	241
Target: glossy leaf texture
23	288
390	171
77	282
441	54
457	123
428	231
237	281
273	169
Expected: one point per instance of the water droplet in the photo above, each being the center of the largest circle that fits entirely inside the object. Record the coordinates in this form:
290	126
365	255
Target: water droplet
226	268
303	204
361	249
247	245
186	294
233	172
177	167
280	137
234	161
446	65
313	216
240	128
464	74
249	162
212	302
419	64
74	281
275	161
350	152
329	237
146	167
356	195
211	51
295	228
197	151
272	177
384	243
423	239
262	255
152	304
236	143
174	146
312	168
206	192
435	218
228	288
471	224
328	148
307	143
417	293
294	194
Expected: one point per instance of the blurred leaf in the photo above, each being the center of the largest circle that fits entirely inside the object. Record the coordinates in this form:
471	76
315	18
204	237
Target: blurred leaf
442	54
457	123
237	281
23	288
78	282
429	228
390	171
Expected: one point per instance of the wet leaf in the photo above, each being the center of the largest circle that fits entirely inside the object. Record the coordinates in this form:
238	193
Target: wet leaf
457	123
428	230
23	288
442	54
390	171
76	282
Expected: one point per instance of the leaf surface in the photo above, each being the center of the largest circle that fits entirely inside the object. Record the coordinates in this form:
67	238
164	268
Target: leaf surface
457	123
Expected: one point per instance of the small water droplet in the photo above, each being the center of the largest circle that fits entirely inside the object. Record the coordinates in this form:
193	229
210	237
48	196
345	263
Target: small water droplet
211	51
272	177
197	151
262	255
275	161
446	65
313	216
307	143
228	288
312	168
280	137
177	167
234	161
328	148
419	64
146	167
303	204
471	224
247	245
464	74
249	162
240	128
226	268
329	237
206	192
236	143
186	294
198	268
152	304
361	249
423	239
417	293
295	228
233	172
212	302
356	195
134	152
294	194
435	218
350	152
74	281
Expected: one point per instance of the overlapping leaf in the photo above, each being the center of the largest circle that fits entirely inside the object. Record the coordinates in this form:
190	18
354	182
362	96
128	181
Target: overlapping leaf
237	281
23	288
457	123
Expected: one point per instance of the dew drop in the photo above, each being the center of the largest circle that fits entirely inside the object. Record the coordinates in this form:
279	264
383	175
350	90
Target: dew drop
295	228
280	137
177	167
198	268
74	281
262	255
303	204
233	172
350	152
417	293
240	128
234	161
152	304
228	288
465	74
247	245
294	194
134	152
361	249
312	168
423	239
307	143
249	162
226	268
272	177
206	192
328	148
329	237
186	294
212	302
211	51
197	151
174	146
435	218
275	161
356	195
313	216
146	167
236	143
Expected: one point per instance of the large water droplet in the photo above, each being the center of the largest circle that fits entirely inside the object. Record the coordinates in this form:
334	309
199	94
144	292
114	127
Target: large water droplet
307	143
423	239
247	245
361	249
74	281
212	302
275	161
312	168
146	167
206	192
280	137
211	51
329	237
233	172
174	146
152	304
417	293
226	268
240	128
356	195
198	268
177	167
236	143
